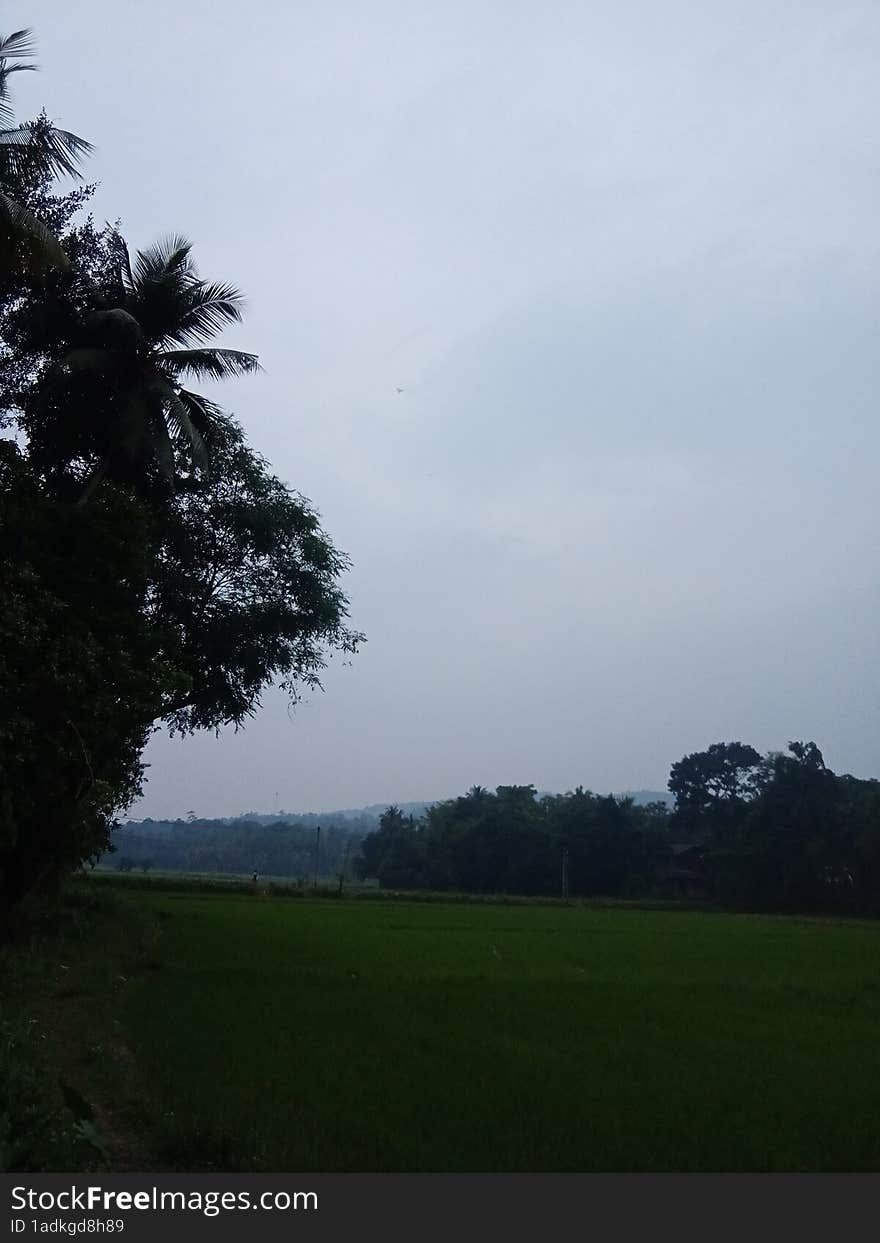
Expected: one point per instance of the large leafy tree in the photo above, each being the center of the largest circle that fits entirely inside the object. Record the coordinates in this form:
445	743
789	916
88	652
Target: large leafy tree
782	833
793	831
245	590
119	615
711	787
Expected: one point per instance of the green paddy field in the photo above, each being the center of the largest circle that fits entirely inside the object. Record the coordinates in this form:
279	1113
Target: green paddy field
321	1035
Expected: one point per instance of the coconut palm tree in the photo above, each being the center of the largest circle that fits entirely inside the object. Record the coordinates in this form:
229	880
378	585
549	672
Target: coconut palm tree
150	334
33	146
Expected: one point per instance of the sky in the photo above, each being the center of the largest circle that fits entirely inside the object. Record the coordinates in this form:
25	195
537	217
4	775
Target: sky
622	258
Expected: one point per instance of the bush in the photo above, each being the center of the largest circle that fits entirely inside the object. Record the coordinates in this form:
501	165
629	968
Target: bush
37	1132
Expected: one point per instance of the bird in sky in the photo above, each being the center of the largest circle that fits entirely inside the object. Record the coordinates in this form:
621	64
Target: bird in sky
401	390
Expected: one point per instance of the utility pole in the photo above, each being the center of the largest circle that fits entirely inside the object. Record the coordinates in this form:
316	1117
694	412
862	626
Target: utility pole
344	866
565	872
317	852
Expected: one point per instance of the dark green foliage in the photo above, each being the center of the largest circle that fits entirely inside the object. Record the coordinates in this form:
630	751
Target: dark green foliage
117	614
614	847
395	853
37	1131
711	787
783	832
80	681
778	833
513	842
246	588
484	842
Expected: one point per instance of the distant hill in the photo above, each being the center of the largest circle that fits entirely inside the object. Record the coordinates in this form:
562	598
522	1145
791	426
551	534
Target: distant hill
361	819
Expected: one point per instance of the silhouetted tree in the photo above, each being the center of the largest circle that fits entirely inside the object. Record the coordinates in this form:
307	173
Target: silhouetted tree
711	788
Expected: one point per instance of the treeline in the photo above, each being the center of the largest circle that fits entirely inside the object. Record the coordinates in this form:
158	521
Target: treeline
774	832
512	841
291	847
153	569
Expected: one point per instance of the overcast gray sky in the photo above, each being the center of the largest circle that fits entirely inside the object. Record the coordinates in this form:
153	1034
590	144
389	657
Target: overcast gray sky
623	259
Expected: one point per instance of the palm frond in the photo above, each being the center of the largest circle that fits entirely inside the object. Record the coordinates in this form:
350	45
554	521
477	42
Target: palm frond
20	43
159	293
56	150
208	308
219	364
66	150
17	136
16	46
21	221
206	416
170	256
178	421
6	70
163	446
126	279
6	113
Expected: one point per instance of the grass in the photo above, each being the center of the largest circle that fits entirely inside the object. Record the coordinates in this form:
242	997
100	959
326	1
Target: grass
371	1036
70	1095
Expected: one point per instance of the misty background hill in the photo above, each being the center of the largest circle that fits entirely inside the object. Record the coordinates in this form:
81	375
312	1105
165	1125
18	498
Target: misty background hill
361	816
